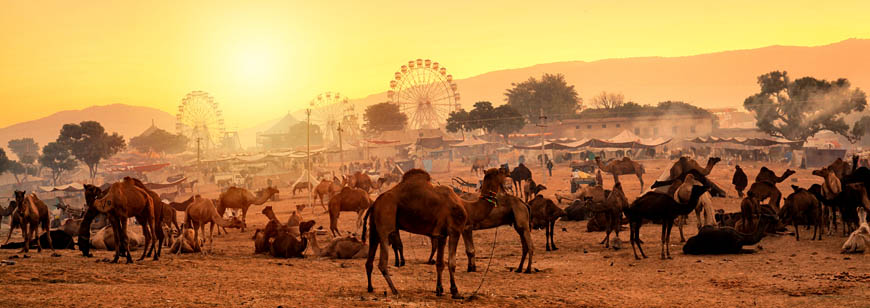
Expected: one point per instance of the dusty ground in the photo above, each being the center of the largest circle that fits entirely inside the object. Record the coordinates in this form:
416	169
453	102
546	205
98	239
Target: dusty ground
782	273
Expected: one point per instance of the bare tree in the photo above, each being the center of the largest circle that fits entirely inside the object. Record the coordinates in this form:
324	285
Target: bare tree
608	100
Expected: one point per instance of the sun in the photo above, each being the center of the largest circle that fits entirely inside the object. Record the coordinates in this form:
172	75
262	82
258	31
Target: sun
254	65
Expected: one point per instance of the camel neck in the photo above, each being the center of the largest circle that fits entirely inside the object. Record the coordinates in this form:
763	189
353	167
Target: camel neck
314	246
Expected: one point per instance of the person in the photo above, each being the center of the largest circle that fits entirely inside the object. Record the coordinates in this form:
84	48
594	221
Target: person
550	167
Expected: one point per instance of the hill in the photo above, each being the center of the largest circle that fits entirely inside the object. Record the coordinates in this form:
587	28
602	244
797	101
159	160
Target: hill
714	80
129	121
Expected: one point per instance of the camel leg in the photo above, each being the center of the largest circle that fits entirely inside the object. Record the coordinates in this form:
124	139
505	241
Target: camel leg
552	235
664	239
116	236
439	266
525	240
797	236
196	245
632	226
547	236
668	241
680	222
453	242
395	240
244	218
370	258
640	179
468	238
26	232
432	248
46	224
12	228
181	236
125	241
148	239
384	261
333	224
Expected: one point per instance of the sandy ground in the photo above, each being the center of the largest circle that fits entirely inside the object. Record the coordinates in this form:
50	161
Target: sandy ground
782	273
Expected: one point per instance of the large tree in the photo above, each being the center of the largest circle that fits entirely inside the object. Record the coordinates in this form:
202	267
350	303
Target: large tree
458	122
797	110
503	120
608	100
509	121
552	94
57	158
383	117
160	141
4	161
26	149
90	144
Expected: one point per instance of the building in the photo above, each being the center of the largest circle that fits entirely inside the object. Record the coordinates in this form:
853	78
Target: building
665	126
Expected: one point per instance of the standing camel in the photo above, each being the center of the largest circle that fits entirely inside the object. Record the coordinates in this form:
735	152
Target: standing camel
348	200
659	206
767	175
200	212
124	200
620	167
686	164
479	165
612	208
32	213
520	174
240	198
416	206
326	189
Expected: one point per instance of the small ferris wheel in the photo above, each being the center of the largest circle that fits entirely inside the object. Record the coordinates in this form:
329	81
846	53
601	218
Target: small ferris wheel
328	111
200	119
425	93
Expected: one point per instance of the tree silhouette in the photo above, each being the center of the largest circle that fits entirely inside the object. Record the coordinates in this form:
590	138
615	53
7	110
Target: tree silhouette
89	143
58	159
383	117
160	141
552	94
797	110
26	149
608	100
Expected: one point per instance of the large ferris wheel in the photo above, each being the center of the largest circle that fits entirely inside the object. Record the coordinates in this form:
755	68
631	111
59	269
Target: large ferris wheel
425	93
200	119
331	111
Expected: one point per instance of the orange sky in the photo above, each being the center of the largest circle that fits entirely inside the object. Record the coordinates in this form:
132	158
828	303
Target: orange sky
261	60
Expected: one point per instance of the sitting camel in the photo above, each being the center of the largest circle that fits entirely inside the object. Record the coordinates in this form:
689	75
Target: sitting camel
802	207
240	198
595	192
104	239
32	214
612	209
544	215
58	238
726	240
859	240
283	244
339	248
659	206
348	200
620	167
185	243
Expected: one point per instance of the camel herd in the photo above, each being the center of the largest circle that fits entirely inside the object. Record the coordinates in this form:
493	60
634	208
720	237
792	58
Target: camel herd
416	204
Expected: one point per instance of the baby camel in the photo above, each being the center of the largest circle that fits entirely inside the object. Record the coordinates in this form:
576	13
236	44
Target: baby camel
339	248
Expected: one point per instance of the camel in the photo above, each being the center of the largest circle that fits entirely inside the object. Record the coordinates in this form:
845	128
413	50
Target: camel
520	174
92	193
831	188
802	207
186	243
726	240
240	198
766	190
359	180
170	217
123	200
767	175
532	189
55	238
32	214
859	240
339	248
841	168
659	206
14	221
301	186
181	206
415	206
739	180
283	244
749	207
104	239
326	189
348	200
595	192
544	215
685	164
705	206
479	165
612	208
197	215
620	167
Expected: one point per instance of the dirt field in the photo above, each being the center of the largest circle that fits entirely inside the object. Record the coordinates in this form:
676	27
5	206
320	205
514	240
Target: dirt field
782	273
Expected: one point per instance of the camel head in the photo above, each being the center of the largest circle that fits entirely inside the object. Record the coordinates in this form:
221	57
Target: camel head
823	172
494	181
91	193
19	198
306	226
787	173
712	161
235	222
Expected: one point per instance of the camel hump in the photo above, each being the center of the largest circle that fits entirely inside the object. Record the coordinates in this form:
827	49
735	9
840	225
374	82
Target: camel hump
415	173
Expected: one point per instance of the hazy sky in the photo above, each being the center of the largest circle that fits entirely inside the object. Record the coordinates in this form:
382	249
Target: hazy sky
260	59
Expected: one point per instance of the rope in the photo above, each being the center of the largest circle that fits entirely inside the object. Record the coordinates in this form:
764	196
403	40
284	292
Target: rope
488	262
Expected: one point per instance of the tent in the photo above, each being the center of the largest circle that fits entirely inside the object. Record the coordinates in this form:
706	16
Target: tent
72	187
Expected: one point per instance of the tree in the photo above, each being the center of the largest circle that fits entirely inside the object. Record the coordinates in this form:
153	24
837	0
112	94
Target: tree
26	149
458	121
608	100
509	121
503	120
160	141
797	110
299	134
384	116
58	159
4	161
89	143
552	94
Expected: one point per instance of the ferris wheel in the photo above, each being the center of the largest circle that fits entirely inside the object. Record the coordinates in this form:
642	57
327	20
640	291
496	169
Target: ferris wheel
199	118
328	111
425	93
